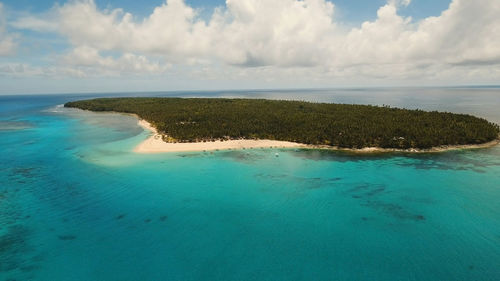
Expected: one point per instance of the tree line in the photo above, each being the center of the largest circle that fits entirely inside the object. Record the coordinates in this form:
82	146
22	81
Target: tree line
342	125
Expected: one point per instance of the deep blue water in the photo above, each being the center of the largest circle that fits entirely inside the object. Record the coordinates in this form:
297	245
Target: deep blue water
77	204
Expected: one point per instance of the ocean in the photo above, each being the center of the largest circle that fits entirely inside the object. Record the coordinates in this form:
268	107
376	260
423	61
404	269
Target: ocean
77	204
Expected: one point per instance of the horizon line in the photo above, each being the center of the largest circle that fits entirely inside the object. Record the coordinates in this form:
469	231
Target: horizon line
256	90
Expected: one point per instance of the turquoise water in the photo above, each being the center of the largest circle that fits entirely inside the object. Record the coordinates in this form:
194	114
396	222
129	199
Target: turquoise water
77	204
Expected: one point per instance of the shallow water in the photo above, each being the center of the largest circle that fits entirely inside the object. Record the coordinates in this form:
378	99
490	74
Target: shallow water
77	204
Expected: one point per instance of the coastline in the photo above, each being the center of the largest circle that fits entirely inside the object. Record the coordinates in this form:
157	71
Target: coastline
155	144
438	149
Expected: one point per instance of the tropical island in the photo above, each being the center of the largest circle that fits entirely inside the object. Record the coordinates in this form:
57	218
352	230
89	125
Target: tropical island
183	124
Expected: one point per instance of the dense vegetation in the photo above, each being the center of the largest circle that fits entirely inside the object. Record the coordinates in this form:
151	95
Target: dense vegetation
343	125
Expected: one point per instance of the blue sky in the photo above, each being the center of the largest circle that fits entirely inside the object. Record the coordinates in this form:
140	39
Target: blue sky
85	45
354	11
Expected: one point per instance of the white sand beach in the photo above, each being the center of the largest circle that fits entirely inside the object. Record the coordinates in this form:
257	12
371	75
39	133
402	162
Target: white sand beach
155	144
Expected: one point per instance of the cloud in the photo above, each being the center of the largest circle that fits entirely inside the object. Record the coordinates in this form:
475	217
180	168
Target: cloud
247	32
467	31
89	60
278	35
282	33
7	41
22	70
404	3
171	30
39	23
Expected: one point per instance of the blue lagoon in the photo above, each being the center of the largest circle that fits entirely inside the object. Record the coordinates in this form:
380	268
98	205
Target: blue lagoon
76	203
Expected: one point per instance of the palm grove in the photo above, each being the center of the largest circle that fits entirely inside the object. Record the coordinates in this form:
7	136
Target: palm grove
342	125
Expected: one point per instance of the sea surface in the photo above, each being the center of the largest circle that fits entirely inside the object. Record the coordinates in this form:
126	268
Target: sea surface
77	204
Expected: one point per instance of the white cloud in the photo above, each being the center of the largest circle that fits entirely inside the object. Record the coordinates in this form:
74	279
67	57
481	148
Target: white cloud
403	3
279	33
283	34
40	23
86	62
171	30
7	42
467	33
88	59
20	70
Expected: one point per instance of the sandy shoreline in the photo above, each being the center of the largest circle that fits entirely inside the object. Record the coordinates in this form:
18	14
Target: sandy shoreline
411	150
155	144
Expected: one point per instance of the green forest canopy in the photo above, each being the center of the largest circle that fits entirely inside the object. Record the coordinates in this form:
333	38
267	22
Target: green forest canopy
343	125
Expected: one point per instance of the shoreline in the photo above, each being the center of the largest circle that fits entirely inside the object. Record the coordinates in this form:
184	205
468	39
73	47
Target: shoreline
155	144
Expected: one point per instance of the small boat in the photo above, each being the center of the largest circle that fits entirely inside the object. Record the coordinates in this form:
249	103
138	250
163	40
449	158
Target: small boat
276	154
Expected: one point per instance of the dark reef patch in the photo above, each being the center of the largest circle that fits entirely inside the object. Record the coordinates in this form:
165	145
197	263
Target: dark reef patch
23	175
120	216
394	210
366	190
190	155
243	156
369	195
14	248
66	237
451	160
302	182
28	268
338	156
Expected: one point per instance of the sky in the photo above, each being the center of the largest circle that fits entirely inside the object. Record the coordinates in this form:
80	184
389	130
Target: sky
80	46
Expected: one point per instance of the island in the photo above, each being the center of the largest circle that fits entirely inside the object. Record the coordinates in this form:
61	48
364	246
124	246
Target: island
196	124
